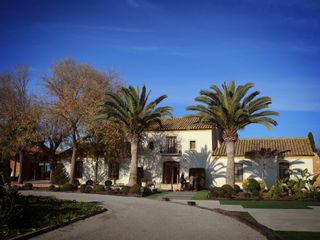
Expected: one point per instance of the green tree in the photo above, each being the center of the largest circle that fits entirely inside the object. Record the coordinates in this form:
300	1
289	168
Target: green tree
130	108
231	109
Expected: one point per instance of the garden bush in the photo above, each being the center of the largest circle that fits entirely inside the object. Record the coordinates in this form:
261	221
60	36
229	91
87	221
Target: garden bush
228	189
60	175
237	188
125	190
262	184
98	188
108	183
82	188
88	189
67	187
27	186
251	185
51	187
135	189
89	182
218	192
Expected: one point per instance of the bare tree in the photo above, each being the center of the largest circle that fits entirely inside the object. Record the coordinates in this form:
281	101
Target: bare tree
77	89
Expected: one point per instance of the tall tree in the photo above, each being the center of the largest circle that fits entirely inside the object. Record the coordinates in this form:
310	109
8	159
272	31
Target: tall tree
130	108
231	108
76	90
20	115
54	130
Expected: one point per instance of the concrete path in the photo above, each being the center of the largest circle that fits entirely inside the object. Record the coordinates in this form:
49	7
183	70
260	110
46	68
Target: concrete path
140	218
276	219
180	195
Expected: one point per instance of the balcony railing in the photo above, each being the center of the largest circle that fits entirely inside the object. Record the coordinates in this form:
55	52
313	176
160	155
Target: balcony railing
170	151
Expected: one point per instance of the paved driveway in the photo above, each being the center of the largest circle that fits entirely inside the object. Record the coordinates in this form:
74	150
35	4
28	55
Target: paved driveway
139	218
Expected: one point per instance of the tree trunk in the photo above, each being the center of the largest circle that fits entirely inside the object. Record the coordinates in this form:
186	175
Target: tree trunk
15	167
73	163
53	166
230	163
20	179
96	169
134	162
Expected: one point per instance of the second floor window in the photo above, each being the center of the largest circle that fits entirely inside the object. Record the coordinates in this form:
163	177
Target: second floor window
171	144
192	145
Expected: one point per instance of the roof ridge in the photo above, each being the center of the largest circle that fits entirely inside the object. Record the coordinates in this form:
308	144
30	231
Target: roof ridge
265	138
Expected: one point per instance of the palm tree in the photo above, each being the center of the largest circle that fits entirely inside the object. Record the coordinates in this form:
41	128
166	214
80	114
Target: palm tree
232	109
130	108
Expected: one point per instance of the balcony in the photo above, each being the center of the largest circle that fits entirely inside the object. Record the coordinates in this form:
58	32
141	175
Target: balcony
172	151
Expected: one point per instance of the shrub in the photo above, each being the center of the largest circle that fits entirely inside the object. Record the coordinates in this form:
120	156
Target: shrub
89	182
27	186
60	175
237	188
51	187
67	187
218	192
228	189
262	184
108	183
98	188
125	190
251	185
135	189
88	189
82	188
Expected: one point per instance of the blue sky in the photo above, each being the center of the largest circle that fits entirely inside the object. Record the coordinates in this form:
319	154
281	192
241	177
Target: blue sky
179	47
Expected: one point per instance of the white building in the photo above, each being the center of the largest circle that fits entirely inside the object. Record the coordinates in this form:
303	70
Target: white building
187	146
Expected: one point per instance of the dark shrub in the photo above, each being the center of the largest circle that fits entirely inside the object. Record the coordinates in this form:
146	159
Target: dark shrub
108	183
67	187
228	189
88	189
76	183
27	186
218	192
135	189
237	188
243	195
60	175
51	187
82	188
125	190
98	188
89	182
251	185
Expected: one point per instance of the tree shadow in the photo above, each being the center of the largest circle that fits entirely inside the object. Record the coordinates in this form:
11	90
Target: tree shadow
202	159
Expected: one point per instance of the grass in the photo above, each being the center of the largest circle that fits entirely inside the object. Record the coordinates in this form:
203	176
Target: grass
299	235
201	195
271	204
35	213
157	195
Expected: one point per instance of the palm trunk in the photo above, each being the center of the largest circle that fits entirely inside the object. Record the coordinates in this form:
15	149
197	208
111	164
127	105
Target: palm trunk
73	163
20	179
230	163
134	162
96	169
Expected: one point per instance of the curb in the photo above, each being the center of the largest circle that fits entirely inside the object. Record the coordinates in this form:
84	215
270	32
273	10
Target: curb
51	228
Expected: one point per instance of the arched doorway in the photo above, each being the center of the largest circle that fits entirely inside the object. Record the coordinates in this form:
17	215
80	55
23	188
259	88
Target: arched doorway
171	172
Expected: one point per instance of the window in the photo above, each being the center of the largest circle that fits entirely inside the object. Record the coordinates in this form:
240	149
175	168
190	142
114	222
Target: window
171	144
192	145
238	172
79	169
284	170
113	172
151	145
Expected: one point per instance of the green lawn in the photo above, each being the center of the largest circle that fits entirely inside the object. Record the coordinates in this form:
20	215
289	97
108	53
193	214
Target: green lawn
271	204
299	235
201	195
35	213
157	195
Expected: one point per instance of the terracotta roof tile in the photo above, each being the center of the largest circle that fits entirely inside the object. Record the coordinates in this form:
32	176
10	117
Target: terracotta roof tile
284	146
186	123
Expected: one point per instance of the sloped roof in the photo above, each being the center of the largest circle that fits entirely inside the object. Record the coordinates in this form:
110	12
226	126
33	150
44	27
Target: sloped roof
282	146
185	123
